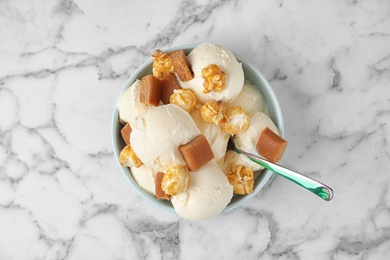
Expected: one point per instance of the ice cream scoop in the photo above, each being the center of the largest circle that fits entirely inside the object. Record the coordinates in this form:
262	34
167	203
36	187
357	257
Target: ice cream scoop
250	100
157	133
144	177
206	54
208	194
129	105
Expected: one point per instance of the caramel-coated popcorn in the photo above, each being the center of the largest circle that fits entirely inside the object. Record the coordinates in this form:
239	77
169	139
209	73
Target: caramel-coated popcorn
127	157
241	178
162	63
214	79
183	98
237	122
176	180
214	112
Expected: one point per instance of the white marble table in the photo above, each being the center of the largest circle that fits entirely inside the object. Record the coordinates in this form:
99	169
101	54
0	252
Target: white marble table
63	63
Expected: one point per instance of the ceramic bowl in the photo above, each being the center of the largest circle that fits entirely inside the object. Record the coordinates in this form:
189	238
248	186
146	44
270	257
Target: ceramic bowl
253	75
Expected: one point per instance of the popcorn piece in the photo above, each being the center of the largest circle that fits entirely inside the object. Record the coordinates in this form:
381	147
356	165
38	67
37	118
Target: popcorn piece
181	66
184	98
168	84
160	194
125	132
162	63
241	178
271	146
196	153
150	91
238	121
214	79
127	157
175	180
214	112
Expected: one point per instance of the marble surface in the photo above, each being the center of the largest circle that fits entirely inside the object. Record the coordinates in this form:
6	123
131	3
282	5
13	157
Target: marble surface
63	63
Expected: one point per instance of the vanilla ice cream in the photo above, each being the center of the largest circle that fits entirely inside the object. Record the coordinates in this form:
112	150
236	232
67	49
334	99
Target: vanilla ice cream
157	133
250	100
205	54
209	193
217	138
145	178
247	140
129	105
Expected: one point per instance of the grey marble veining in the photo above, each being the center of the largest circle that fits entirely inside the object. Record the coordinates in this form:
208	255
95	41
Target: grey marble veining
63	64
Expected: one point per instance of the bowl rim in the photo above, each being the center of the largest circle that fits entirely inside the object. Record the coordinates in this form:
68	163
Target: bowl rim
268	90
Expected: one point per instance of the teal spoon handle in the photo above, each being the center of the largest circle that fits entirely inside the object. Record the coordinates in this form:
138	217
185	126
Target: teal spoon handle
318	188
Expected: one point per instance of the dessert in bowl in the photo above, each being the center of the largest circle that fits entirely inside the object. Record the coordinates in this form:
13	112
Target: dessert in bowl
173	121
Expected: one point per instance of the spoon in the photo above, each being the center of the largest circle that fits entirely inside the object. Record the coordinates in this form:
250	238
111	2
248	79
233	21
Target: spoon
318	188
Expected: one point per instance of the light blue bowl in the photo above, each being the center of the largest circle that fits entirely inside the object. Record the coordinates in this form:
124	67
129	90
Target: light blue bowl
253	75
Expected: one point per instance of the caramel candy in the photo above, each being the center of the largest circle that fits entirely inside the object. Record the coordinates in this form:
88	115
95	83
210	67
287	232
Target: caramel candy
125	132
241	178
196	153
150	91
160	194
271	146
168	84
127	157
181	66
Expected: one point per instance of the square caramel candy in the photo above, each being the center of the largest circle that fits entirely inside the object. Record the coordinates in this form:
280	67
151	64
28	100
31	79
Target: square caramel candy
181	66
150	91
160	194
125	132
271	145
169	83
196	153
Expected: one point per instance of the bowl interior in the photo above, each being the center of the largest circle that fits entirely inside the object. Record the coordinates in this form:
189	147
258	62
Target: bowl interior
253	75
